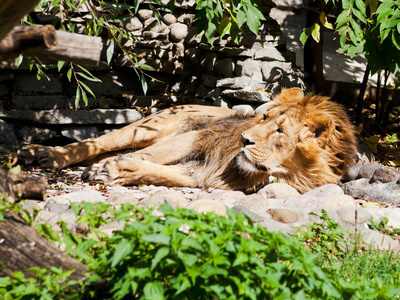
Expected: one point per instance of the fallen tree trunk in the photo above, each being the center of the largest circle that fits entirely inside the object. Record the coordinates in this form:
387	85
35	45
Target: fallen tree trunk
21	248
27	38
11	13
22	186
47	43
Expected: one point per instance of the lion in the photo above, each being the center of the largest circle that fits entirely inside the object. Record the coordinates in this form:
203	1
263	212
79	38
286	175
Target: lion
303	140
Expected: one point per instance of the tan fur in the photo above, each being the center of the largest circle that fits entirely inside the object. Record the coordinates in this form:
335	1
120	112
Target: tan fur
305	141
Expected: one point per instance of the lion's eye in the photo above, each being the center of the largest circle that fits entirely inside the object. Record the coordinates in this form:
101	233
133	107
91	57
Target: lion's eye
279	130
265	116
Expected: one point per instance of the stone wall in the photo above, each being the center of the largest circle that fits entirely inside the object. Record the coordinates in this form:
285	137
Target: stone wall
242	76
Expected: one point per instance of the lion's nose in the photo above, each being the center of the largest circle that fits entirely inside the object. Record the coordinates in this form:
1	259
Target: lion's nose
246	140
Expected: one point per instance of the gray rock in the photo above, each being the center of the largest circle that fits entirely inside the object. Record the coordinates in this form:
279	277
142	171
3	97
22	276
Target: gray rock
302	202
252	215
173	198
377	240
127	197
244	108
57	207
367	171
208	61
178	32
152	25
235	83
325	191
79	196
169	19
347	215
25	83
261	109
229	198
38	102
207	205
132	24
225	67
248	95
145	14
385	175
339	202
62	116
8	137
273	71
111	227
278	191
394	217
283	215
249	67
269	53
33	135
81	133
377	191
253	202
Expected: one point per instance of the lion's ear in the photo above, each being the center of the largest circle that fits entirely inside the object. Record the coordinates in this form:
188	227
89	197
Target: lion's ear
322	127
290	95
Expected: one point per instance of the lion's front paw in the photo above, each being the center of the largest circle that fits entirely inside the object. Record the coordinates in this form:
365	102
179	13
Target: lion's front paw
38	155
105	173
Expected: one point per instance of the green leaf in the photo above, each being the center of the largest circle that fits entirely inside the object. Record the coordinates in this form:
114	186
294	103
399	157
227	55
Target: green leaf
110	50
20	59
157	238
90	78
315	32
210	32
305	35
145	67
360	16
122	250
60	64
69	75
224	26
85	99
87	89
153	291
77	96
252	20
119	6
343	18
144	83
241	18
160	254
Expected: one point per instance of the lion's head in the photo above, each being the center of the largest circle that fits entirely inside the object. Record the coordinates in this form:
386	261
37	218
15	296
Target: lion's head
305	141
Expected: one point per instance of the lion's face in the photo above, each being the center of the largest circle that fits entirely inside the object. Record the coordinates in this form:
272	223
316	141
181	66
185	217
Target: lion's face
271	144
299	137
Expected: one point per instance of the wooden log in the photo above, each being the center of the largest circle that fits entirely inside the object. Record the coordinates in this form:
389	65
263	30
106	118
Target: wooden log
27	38
73	47
22	186
21	248
66	46
11	13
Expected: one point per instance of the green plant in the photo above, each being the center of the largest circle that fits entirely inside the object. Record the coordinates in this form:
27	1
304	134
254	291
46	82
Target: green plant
45	284
327	239
187	255
370	28
384	228
224	17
